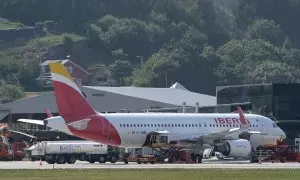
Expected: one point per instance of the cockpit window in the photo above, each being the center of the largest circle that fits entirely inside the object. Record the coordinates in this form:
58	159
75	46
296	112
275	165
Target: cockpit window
275	125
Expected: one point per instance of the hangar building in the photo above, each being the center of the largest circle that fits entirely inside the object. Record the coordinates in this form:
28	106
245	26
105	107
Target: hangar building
105	99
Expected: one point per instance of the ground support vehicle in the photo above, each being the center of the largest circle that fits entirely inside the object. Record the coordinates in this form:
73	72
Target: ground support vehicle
62	152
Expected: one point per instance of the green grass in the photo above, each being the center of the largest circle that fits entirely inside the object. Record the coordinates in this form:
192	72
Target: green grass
150	174
53	39
10	25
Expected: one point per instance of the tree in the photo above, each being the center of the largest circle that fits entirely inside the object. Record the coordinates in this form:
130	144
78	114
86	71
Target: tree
287	44
121	69
266	30
273	72
9	93
240	56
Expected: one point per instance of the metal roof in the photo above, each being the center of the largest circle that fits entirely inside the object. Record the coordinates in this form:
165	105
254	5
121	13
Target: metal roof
165	95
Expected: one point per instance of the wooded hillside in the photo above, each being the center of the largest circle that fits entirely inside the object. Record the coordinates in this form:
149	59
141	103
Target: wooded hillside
199	43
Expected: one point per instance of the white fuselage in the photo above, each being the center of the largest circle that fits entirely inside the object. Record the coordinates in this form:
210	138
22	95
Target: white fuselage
134	127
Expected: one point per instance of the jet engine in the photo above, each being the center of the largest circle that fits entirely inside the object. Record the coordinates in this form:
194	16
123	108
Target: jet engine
235	148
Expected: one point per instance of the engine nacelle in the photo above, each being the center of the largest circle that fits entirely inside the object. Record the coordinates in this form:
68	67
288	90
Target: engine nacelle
235	148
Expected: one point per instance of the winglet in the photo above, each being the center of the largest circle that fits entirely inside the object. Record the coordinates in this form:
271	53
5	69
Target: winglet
48	113
243	119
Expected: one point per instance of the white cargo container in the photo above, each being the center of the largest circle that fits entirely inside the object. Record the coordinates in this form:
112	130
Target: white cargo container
61	152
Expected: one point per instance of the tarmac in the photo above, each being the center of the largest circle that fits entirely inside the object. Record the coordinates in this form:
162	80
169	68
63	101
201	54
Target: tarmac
120	165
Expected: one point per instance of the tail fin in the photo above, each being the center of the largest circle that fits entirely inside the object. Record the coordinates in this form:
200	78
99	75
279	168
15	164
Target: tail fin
71	103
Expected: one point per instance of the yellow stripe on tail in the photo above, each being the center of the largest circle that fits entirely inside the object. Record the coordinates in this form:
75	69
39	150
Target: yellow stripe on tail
60	69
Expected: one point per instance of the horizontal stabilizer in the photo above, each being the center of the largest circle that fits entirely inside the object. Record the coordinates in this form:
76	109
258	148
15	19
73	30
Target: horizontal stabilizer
32	121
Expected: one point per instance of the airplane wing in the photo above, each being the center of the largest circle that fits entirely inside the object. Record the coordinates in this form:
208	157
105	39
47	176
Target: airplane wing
32	121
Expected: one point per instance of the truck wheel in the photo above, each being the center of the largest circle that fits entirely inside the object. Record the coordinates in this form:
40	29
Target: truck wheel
113	159
71	160
92	160
102	159
61	159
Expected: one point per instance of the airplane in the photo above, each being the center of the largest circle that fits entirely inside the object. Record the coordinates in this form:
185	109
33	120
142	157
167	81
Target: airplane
233	134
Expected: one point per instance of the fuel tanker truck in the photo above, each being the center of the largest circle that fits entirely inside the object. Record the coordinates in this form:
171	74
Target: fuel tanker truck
62	152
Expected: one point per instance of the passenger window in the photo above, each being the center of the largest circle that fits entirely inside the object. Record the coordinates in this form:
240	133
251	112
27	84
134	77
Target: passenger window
169	125
120	125
199	125
189	125
195	125
124	125
127	125
158	125
175	125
